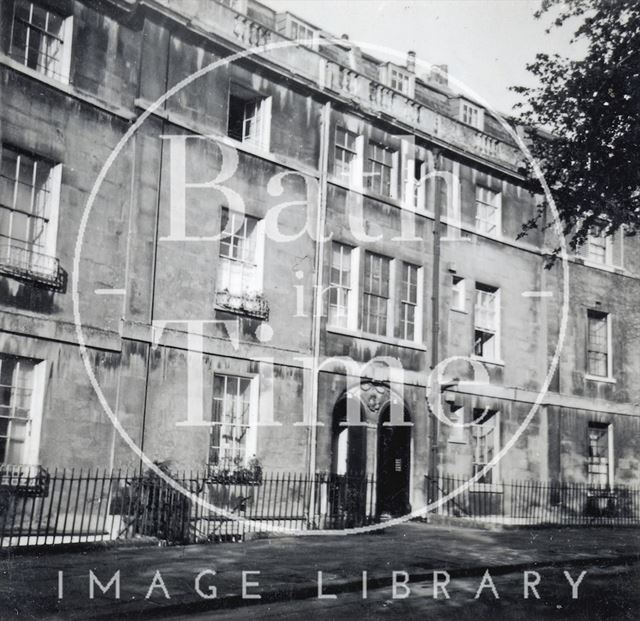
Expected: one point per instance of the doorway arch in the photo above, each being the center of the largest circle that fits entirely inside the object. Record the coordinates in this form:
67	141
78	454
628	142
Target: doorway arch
372	447
349	443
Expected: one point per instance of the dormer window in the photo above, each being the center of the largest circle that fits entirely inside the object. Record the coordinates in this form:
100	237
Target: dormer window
236	5
400	80
471	115
293	28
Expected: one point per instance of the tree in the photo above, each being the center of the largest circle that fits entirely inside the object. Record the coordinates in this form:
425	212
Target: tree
590	155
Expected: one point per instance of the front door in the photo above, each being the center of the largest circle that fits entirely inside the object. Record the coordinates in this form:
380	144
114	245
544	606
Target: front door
394	455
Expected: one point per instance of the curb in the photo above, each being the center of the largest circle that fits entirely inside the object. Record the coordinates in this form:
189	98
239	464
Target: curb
80	547
308	591
480	524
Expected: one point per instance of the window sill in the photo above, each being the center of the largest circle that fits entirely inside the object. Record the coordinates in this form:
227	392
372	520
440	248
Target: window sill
363	191
597	378
498	363
605	267
66	88
377	338
249	147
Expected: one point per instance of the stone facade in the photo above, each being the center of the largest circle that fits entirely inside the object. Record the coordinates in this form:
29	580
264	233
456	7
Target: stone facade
341	137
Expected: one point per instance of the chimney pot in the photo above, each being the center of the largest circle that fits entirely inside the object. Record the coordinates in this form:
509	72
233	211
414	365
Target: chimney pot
411	61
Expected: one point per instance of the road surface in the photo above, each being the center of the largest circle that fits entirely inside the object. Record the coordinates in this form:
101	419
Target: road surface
609	593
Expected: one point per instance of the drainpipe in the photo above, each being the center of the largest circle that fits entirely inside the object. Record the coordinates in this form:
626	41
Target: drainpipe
154	264
435	314
127	265
318	299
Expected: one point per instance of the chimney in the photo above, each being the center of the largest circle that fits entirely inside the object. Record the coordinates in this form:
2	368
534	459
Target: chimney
440	74
411	61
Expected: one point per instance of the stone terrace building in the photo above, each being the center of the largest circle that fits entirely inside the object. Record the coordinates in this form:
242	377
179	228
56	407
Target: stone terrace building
373	152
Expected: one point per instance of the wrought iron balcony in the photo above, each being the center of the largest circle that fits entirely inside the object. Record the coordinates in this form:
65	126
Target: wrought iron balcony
250	304
24	263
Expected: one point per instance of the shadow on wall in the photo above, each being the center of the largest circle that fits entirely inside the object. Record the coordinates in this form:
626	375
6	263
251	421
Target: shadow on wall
31	295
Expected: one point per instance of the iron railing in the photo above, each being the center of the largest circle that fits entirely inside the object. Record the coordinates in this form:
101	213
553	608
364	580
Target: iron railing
25	480
25	263
251	304
102	506
530	503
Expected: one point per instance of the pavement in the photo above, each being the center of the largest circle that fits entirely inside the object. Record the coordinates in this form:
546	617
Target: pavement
609	593
288	566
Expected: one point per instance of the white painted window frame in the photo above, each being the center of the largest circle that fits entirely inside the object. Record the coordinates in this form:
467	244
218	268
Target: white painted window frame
480	223
497	330
314	34
495	471
461	288
608	250
52	206
405	78
262	138
31	448
414	189
63	73
350	293
417	324
391	300
458	433
251	443
610	452
257	286
468	112
393	169
609	376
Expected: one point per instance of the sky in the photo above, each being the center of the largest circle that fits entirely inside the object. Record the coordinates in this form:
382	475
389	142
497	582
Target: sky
485	43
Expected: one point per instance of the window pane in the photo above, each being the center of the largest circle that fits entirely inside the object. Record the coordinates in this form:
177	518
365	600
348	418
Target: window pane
487	211
485	344
7	177
26	194
237	268
598	344
16	388
485	441
458	293
5	223
36	38
38	16
340	281
231	412
598	465
22	10
54	25
378	178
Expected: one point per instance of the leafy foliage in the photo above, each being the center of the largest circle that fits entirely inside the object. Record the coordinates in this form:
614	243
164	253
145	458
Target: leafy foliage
251	474
591	111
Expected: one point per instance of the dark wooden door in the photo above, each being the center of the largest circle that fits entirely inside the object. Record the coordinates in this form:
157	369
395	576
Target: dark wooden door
394	455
